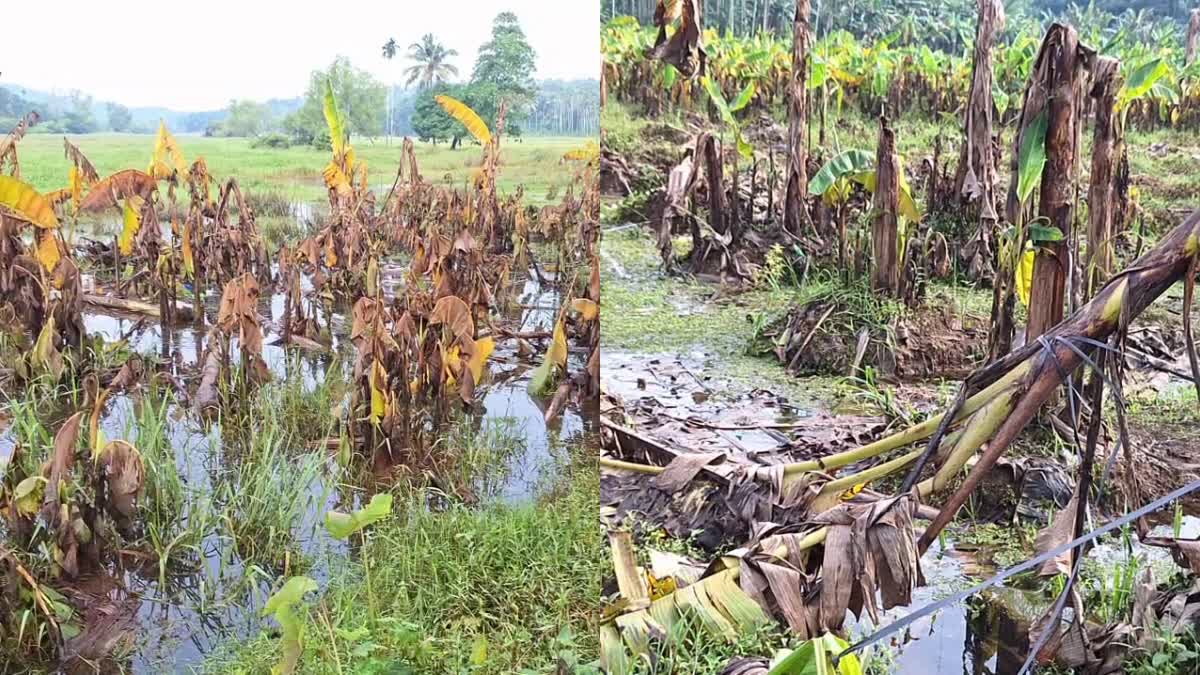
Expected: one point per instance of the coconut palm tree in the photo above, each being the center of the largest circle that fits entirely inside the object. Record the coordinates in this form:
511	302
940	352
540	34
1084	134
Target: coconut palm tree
389	48
429	67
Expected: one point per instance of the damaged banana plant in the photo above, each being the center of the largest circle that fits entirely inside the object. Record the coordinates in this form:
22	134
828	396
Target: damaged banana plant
831	568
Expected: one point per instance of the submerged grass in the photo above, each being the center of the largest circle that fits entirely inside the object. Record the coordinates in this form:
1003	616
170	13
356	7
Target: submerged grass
495	589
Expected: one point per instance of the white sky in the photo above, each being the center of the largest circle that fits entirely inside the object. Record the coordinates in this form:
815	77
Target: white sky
198	56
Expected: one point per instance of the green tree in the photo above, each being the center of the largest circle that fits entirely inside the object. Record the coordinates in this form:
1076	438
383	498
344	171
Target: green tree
78	119
361	98
429	121
246	118
119	117
429	62
504	72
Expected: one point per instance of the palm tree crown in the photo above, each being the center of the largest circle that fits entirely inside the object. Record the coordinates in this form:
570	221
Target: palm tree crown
389	48
429	67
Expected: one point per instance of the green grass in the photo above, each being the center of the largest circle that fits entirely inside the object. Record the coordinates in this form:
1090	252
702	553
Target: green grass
296	172
520	583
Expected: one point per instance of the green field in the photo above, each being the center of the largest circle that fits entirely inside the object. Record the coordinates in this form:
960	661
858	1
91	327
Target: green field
296	172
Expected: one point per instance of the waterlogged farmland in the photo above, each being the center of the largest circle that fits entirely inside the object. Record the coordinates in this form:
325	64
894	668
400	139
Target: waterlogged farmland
339	448
903	371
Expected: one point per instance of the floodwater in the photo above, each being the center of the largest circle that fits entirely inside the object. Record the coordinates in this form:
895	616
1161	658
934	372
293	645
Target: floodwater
180	621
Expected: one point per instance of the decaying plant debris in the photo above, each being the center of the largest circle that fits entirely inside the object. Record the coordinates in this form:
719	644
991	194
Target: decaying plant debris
800	534
422	283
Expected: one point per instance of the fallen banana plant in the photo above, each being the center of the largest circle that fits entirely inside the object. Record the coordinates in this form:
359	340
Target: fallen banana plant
993	406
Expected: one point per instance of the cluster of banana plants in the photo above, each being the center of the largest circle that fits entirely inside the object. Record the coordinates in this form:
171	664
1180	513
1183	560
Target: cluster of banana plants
884	72
70	504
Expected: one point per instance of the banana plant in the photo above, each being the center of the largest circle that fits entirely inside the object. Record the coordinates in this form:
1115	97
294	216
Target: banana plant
727	111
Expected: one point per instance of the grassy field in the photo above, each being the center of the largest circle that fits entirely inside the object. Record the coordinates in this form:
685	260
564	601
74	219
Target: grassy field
296	172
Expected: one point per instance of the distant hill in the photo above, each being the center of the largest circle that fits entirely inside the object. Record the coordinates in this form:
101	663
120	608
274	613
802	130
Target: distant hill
145	118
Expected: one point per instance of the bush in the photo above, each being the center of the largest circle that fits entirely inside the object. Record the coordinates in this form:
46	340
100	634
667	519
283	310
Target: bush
272	140
322	141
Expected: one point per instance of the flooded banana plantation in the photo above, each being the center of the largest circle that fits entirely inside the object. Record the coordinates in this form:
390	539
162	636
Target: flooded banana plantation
899	372
223	455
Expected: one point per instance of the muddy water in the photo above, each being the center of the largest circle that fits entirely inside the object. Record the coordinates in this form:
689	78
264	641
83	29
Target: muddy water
181	621
985	635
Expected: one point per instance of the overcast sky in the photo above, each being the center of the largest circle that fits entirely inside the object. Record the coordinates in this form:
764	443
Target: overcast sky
198	56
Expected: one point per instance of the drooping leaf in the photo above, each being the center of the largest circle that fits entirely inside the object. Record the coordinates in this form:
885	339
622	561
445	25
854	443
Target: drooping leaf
558	346
379	392
47	250
1031	159
479	355
342	525
455	315
744	98
1024	275
1142	80
27	496
846	164
466	116
25	203
908	205
189	261
586	308
118	187
131	223
1039	233
718	99
168	157
669	75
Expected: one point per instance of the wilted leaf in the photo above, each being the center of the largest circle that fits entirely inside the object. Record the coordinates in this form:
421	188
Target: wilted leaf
558	346
47	250
131	223
454	313
586	308
168	157
45	355
379	395
27	496
482	349
25	203
118	187
126	474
